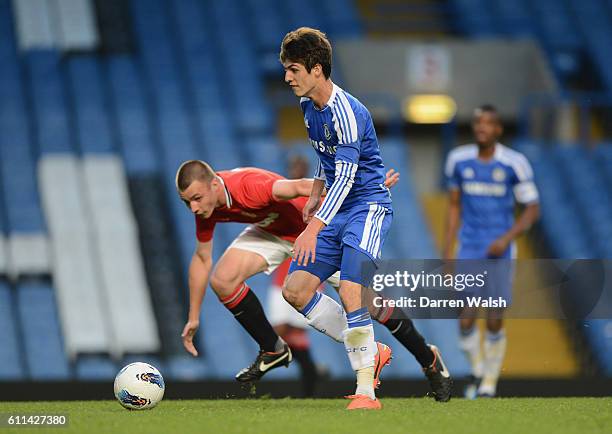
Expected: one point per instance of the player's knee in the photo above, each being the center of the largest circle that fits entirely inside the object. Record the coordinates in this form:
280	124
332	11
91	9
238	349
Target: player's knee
291	294
467	323
223	285
494	325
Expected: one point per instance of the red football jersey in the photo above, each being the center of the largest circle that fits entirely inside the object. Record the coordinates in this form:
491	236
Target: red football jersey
250	200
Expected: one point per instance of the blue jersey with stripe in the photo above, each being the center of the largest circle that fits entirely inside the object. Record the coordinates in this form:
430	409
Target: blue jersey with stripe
343	135
489	190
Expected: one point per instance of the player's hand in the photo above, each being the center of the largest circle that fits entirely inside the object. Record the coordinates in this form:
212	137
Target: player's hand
189	331
311	207
304	247
498	247
392	178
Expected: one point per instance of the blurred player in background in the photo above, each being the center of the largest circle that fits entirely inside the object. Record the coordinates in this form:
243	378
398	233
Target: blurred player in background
349	226
485	180
273	207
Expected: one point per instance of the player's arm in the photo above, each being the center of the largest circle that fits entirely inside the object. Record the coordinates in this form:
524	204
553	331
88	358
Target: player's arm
453	219
317	191
199	272
526	194
287	189
528	216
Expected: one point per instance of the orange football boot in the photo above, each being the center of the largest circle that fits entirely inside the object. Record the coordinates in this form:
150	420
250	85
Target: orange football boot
363	402
383	358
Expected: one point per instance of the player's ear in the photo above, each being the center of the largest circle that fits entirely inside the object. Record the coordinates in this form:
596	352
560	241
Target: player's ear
214	184
500	129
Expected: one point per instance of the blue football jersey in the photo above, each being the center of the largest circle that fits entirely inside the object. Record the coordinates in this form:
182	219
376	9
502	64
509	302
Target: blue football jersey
489	190
343	135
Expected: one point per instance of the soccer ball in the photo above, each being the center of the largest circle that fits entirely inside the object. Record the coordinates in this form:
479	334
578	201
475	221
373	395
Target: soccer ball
139	386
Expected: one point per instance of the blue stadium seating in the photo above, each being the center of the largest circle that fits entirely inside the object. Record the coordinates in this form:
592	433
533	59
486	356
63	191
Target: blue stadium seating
11	365
16	165
90	112
576	215
90	367
132	119
550	22
41	333
48	96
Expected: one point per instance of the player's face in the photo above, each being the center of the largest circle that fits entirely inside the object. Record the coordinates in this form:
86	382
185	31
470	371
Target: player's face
302	82
201	198
487	128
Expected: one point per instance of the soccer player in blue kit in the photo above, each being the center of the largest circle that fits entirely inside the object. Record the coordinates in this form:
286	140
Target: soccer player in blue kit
485	180
349	226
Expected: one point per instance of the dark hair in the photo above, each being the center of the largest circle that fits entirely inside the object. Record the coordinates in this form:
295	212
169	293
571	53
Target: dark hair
309	47
193	170
487	108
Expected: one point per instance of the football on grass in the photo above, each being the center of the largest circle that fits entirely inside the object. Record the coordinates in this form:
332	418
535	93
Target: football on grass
139	386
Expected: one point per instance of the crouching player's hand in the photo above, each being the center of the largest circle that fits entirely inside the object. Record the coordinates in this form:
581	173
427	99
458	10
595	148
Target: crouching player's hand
391	178
189	331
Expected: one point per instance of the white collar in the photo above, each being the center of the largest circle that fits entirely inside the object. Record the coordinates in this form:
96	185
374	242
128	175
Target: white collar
228	197
335	90
331	99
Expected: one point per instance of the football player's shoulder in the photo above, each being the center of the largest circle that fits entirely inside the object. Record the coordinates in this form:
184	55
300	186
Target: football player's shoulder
463	153
353	103
510	154
240	175
254	176
513	158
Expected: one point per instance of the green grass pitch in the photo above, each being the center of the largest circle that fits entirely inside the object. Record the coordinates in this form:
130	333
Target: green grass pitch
328	416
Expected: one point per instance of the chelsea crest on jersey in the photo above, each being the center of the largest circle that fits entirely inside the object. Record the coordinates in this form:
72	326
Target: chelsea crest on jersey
342	133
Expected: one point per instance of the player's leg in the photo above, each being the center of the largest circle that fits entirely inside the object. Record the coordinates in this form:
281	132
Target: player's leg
500	286
469	342
291	326
251	253
469	334
494	351
404	331
321	312
228	282
399	325
359	341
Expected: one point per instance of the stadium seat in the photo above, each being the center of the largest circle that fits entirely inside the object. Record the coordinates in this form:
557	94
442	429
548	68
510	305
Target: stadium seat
134	126
93	127
40	326
92	367
11	366
79	295
49	104
115	242
186	368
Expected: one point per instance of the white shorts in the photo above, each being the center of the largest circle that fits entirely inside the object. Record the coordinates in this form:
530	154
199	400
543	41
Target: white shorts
273	249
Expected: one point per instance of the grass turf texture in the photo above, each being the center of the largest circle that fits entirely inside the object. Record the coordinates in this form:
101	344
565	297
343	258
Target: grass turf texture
509	415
